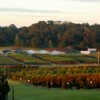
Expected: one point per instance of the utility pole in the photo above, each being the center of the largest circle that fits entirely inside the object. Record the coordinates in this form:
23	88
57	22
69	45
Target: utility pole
13	92
98	57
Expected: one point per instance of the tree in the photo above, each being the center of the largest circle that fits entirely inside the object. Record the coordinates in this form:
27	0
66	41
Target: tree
17	40
50	44
34	42
4	86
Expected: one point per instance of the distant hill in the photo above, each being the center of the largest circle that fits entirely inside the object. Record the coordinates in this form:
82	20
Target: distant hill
51	34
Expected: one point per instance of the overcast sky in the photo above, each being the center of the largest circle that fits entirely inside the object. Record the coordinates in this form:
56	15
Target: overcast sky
27	12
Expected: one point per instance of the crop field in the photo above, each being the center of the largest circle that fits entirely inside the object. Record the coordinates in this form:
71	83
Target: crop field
55	58
24	91
84	77
82	58
47	59
8	61
27	59
68	58
51	83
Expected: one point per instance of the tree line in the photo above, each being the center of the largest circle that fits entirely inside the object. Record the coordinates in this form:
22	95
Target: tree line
50	35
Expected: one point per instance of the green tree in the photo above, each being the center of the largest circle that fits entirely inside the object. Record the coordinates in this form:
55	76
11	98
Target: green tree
4	86
17	40
50	44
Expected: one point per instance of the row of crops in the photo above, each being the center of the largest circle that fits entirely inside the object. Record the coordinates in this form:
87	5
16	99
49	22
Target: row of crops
68	58
56	59
46	59
8	61
27	59
62	77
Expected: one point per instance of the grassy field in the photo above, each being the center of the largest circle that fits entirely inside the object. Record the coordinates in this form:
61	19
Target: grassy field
27	59
29	92
8	61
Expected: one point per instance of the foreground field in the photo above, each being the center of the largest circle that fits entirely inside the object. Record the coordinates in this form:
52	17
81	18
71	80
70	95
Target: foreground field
30	92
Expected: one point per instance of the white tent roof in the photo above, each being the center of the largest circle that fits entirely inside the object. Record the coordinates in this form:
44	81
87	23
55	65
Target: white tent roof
1	52
43	52
31	51
56	52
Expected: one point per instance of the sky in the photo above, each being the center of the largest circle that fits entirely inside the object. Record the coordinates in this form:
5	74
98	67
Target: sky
27	12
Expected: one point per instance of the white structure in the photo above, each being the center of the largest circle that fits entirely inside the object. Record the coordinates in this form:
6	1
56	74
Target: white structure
1	52
30	52
85	52
56	52
92	49
43	52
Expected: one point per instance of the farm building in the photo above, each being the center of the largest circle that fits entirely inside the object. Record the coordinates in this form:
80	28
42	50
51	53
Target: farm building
85	52
92	49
